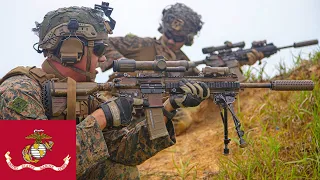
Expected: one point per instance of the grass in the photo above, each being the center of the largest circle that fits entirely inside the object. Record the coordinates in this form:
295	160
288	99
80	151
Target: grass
253	74
185	169
287	145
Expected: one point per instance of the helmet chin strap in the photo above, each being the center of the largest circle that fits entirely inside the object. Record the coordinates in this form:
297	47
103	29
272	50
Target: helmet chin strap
88	66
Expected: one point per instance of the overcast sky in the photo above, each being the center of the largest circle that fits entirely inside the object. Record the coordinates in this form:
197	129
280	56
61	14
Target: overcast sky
279	21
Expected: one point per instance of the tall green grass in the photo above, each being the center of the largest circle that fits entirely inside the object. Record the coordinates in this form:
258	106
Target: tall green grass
286	144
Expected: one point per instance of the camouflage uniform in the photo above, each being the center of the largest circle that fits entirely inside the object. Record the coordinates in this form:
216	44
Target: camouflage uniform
107	154
21	99
140	49
177	18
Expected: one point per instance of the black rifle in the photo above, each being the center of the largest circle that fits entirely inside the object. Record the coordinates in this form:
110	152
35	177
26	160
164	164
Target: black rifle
225	56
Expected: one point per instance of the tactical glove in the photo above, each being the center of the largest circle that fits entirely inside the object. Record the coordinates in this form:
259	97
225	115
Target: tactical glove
118	111
254	56
194	94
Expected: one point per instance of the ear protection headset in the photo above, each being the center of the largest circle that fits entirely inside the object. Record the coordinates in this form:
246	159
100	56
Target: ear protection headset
70	49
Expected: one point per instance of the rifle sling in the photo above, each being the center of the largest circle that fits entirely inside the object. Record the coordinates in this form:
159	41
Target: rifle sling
71	99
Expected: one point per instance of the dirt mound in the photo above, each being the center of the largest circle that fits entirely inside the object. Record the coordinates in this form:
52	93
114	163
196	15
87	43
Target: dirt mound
202	143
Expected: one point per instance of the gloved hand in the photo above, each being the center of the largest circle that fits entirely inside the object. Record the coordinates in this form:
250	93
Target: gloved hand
194	94
118	111
254	56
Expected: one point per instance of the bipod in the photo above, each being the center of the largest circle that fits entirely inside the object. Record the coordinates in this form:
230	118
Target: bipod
226	100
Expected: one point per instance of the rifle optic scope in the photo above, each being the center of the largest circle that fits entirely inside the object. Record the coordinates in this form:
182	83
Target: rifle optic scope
228	45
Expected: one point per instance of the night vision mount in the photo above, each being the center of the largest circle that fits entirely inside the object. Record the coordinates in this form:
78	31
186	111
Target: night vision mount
107	11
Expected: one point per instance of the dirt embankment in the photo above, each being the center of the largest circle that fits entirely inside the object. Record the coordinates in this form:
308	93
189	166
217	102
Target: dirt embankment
202	143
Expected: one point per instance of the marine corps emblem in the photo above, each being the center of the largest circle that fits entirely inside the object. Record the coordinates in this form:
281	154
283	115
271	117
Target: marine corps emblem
38	149
34	152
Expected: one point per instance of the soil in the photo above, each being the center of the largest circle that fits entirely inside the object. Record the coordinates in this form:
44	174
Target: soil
202	144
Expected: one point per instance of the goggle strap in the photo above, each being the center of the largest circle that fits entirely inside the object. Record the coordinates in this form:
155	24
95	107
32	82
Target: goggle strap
90	51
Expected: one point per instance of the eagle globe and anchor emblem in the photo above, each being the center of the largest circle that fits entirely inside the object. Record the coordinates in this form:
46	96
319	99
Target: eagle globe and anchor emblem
38	149
33	153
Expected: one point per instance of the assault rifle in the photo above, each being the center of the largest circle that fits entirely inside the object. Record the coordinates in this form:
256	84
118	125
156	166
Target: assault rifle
224	86
225	56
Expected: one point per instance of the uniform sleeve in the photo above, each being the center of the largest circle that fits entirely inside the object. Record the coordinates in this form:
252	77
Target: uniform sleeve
132	146
90	144
111	53
21	99
121	47
191	72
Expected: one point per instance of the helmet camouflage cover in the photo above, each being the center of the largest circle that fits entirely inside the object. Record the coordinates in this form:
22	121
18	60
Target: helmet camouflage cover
54	27
181	19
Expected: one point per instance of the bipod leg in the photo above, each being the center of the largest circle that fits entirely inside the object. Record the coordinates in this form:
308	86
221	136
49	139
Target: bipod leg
225	125
224	117
237	124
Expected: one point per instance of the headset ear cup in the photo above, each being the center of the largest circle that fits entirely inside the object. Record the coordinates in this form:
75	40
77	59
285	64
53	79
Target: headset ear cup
71	51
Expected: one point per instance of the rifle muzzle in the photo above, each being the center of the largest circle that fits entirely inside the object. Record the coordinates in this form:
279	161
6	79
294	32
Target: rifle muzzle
283	85
292	85
305	43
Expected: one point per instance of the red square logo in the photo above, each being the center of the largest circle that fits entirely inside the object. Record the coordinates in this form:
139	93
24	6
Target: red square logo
42	149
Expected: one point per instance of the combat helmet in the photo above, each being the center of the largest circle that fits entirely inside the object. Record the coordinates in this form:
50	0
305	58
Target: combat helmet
181	19
65	32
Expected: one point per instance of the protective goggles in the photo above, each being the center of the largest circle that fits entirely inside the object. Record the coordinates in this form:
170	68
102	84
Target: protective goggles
99	49
175	38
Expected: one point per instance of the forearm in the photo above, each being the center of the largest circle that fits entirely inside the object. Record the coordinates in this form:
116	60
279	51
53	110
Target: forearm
111	54
90	144
133	146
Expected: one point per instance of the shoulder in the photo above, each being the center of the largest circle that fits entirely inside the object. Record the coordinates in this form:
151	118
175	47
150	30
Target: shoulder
180	55
132	40
21	98
21	83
